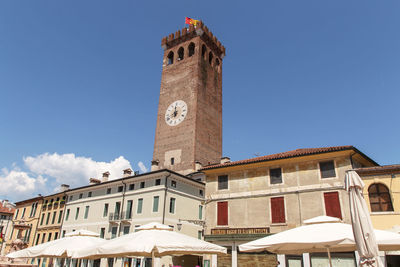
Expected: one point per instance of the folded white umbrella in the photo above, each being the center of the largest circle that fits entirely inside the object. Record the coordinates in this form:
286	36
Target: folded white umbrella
59	248
152	240
320	234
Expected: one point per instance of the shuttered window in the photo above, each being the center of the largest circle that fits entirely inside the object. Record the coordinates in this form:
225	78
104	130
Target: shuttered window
379	198
275	176
222	216
222	182
278	210
327	169
332	204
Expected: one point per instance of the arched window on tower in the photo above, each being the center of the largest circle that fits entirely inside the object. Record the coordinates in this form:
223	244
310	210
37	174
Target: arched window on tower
203	51
171	58
191	49
181	53
210	58
379	198
217	62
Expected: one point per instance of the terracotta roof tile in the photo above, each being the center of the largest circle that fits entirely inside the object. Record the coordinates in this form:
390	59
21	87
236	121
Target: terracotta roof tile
5	209
379	169
288	154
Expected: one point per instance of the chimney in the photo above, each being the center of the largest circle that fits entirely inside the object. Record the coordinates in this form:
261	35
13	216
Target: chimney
154	165
225	160
105	177
127	172
94	181
197	165
64	187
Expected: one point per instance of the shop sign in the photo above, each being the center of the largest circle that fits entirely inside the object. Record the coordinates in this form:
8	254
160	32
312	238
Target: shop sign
240	231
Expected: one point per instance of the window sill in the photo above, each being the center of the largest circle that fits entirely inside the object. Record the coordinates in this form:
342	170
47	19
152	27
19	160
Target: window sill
278	224
385	213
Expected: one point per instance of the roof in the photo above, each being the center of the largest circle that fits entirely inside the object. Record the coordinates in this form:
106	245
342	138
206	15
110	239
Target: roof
290	154
386	169
5	209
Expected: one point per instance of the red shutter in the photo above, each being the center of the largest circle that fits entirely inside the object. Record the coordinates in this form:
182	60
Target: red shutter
278	210
332	204
222	213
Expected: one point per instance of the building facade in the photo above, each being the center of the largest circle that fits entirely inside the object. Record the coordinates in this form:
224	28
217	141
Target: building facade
25	221
249	199
189	121
6	215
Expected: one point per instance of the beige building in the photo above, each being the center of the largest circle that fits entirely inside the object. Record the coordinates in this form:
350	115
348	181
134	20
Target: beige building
251	198
6	215
25	221
117	207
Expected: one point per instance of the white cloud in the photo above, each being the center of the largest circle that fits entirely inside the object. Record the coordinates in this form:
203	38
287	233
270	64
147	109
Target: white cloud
73	170
16	184
142	167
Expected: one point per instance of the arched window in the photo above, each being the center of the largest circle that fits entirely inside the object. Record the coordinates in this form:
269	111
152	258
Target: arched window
203	51
191	49
379	198
210	58
181	53
217	62
170	58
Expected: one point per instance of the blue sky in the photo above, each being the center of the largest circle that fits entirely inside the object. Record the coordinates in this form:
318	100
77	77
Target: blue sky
79	82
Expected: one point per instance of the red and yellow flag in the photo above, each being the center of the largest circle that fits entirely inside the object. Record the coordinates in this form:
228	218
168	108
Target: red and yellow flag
191	21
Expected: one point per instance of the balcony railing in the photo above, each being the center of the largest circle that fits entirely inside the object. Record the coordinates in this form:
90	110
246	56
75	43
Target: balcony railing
123	216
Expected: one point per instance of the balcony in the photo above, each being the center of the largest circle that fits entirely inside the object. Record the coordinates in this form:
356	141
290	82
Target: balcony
125	216
21	224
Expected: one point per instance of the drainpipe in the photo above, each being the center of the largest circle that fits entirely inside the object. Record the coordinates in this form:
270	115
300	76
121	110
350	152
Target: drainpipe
165	197
351	160
122	209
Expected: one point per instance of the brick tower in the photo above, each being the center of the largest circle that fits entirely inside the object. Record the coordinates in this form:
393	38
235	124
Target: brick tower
189	121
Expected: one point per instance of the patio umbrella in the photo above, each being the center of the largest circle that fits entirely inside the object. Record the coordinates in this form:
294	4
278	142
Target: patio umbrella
360	220
320	234
152	240
60	248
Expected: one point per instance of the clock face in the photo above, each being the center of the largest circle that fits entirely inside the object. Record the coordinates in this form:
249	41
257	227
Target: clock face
176	113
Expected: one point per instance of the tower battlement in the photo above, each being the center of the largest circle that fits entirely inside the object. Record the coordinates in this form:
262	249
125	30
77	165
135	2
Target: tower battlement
188	33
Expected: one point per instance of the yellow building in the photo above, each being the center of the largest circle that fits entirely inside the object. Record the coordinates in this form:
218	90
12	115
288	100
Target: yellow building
25	221
251	198
382	193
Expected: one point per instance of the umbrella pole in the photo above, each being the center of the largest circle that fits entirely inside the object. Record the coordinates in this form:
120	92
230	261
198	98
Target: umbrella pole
329	256
152	259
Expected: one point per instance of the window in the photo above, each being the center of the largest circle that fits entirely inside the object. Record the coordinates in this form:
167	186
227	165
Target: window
203	51
201	193
332	204
129	209
275	176
327	169
49	238
172	205
172	161
43	237
67	215
80	195
120	188
60	216
222	213
105	210
217	62
54	217
102	232
158	181
141	184
70	198
222	182
210	58
379	198
23	213
16	215
200	212
117	209
41	220
132	187
126	230
86	212
55	235
181	53
140	205
173	183
77	214
108	191
171	58
47	218
199	234
63	233
32	209
155	203
114	232
278	210
191	49
37	239
90	194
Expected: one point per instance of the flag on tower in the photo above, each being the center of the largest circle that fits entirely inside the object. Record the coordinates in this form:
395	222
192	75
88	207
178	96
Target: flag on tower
191	21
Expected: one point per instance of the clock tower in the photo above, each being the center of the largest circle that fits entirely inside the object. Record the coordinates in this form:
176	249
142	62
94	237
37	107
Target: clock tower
189	121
